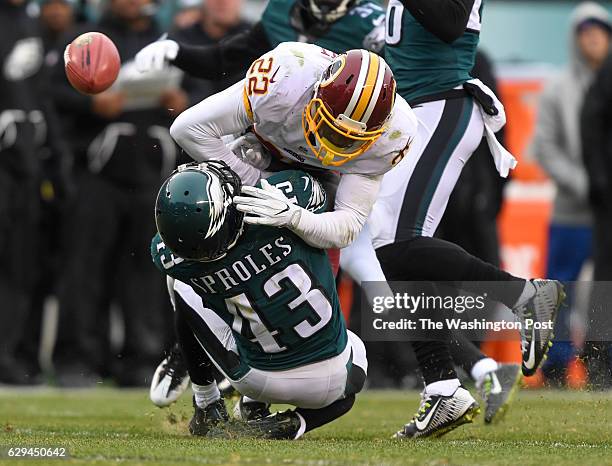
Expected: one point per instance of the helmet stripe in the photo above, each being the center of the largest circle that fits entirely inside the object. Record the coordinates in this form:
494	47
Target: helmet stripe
368	88
363	71
382	69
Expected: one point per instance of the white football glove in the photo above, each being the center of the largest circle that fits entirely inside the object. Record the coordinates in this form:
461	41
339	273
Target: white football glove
267	205
156	56
248	149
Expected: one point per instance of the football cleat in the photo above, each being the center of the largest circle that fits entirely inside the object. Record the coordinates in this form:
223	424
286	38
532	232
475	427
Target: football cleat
439	414
251	410
285	425
170	379
206	418
497	388
535	316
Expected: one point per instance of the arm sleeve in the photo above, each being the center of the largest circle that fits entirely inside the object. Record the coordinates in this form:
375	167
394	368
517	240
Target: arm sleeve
595	126
445	19
199	130
552	156
225	58
337	229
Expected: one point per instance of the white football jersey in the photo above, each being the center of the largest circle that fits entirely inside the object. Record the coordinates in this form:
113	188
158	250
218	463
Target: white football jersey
279	85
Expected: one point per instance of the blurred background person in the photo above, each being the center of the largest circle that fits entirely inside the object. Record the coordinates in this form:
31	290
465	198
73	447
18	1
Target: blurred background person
557	147
596	128
22	133
189	12
123	149
54	179
217	20
56	18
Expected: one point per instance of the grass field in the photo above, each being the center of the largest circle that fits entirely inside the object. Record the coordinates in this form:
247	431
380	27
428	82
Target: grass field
105	426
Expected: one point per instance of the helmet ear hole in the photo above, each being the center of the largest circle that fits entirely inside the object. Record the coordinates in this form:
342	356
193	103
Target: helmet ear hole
186	193
349	79
198	209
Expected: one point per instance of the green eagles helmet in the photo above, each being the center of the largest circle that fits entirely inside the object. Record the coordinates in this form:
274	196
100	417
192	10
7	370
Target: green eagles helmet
194	213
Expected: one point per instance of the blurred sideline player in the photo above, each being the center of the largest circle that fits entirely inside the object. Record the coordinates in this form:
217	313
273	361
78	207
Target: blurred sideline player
260	302
337	25
431	45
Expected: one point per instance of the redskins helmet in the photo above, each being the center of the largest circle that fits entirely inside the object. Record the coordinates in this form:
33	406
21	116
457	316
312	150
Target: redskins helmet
194	213
350	108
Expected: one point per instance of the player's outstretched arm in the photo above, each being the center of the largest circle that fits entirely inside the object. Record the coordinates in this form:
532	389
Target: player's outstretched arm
445	19
199	130
213	62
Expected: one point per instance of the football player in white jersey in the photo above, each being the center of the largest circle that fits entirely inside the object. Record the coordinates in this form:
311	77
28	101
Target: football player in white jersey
308	106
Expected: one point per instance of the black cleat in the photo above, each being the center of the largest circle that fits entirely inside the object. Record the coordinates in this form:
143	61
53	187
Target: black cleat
251	410
535	317
497	388
283	425
170	379
440	414
206	418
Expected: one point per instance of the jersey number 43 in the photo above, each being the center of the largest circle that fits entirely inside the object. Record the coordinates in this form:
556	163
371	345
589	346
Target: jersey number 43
243	310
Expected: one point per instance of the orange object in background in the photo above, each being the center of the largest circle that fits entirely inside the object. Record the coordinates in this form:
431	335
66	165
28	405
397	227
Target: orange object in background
525	217
576	374
523	230
345	295
506	348
520	98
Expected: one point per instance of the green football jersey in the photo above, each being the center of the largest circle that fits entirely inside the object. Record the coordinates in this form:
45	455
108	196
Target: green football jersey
423	64
361	27
276	292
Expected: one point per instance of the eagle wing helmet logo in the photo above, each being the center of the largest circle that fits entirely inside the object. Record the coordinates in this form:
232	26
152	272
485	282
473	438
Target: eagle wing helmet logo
218	203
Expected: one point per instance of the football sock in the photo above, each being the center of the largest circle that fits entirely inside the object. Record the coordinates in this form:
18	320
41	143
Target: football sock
464	352
443	387
205	394
434	361
313	418
483	367
198	363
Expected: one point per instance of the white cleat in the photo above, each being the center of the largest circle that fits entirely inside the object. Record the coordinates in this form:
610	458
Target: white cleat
170	379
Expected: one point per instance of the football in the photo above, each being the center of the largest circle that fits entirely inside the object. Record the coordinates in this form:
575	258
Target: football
92	63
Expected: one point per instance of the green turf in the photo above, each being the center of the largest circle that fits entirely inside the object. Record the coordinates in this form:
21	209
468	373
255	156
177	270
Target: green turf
105	426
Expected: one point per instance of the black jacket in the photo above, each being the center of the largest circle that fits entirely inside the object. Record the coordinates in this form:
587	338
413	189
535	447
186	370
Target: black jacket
596	137
22	122
199	89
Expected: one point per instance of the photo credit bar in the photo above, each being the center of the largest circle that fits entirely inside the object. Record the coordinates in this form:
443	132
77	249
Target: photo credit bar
422	311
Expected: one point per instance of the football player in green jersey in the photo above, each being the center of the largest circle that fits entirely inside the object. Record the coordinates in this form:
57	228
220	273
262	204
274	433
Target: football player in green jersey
260	302
431	47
